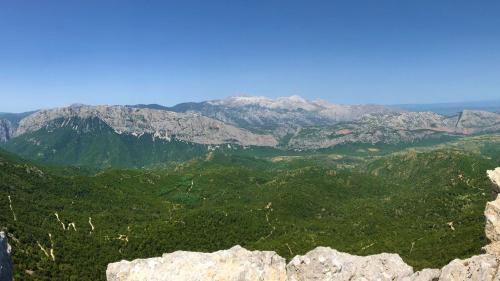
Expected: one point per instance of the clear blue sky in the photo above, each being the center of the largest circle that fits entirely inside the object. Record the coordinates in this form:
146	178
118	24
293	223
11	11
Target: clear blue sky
54	53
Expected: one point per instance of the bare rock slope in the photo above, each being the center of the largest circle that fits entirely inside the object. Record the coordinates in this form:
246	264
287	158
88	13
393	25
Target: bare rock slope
320	264
255	111
290	122
163	124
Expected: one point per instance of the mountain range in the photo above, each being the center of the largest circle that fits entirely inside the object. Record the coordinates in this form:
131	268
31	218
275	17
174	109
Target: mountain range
138	135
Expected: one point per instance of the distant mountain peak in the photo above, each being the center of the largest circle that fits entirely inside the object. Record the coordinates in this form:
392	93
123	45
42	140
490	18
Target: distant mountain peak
190	127
293	102
77	105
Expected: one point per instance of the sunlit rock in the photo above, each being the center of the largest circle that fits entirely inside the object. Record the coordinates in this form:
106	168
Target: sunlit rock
235	264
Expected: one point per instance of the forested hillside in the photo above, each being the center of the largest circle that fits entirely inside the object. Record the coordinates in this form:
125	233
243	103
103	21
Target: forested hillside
425	204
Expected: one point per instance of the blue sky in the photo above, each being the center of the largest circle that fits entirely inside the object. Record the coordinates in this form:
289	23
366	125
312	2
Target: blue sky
54	53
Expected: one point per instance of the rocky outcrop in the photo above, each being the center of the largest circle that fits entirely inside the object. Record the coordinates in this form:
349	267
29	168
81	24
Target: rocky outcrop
235	264
477	268
320	264
492	228
324	264
5	258
492	214
238	264
494	176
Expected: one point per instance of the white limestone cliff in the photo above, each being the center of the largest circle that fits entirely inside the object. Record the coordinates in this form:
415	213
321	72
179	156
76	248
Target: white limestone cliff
190	127
235	264
324	264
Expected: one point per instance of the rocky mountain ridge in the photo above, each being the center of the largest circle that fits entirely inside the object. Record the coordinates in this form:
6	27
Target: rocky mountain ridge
190	127
289	122
320	264
265	113
394	128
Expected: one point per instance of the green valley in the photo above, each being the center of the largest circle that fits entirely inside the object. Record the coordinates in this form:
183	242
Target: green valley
425	203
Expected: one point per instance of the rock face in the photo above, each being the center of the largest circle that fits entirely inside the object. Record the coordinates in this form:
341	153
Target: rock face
190	127
492	214
494	176
492	228
5	259
235	264
424	275
477	268
324	264
254	111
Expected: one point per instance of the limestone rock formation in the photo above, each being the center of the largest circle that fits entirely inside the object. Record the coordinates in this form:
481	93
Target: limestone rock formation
290	122
190	127
494	176
327	264
235	264
424	275
5	258
492	228
492	214
477	268
262	112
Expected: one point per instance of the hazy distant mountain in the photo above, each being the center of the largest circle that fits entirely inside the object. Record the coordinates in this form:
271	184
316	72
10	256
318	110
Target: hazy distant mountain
395	128
9	123
271	114
190	127
148	134
120	136
454	107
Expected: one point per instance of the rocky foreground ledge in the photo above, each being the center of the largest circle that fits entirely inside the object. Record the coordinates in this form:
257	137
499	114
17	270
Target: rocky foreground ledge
320	264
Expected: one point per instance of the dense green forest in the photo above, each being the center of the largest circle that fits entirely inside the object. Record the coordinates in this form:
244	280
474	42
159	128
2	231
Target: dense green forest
425	203
92	143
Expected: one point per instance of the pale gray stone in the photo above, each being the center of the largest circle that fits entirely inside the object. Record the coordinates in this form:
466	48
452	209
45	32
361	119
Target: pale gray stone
190	127
423	275
326	264
494	176
476	268
235	264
